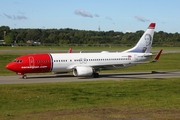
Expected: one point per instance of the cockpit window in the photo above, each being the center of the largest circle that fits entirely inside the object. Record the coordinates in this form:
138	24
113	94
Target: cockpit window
18	61
14	60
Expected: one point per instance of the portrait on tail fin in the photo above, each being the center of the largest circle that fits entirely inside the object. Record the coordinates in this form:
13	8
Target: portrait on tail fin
148	40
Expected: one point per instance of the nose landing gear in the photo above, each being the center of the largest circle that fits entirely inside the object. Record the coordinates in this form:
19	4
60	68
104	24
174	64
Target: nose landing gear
24	76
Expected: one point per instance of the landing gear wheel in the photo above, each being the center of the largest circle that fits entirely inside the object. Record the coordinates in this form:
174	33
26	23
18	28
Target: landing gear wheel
95	75
24	77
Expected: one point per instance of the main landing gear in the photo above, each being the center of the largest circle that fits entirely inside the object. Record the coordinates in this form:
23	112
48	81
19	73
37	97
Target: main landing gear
95	75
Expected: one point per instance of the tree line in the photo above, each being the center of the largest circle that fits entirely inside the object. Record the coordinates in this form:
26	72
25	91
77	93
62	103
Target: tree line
69	36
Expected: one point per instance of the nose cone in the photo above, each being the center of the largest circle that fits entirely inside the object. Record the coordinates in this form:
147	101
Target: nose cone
10	66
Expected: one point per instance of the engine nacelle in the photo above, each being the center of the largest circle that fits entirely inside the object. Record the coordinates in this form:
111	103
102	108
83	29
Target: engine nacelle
83	71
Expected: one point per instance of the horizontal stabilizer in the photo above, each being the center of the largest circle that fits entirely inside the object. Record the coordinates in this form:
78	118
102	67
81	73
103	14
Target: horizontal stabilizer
157	56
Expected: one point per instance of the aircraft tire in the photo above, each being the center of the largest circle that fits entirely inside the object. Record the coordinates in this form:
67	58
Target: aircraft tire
95	75
24	77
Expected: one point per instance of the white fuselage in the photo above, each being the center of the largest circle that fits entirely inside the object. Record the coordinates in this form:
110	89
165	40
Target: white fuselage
66	62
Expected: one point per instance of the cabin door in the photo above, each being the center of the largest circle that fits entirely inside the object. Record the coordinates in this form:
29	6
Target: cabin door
31	61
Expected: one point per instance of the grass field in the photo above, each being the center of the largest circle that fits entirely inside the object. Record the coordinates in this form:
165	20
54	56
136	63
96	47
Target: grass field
146	99
78	48
141	99
62	48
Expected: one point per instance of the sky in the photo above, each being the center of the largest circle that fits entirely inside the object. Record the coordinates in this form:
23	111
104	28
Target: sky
103	15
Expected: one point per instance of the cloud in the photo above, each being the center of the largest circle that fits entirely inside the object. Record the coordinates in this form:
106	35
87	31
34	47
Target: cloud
140	18
43	27
19	17
164	22
15	17
83	13
108	18
96	15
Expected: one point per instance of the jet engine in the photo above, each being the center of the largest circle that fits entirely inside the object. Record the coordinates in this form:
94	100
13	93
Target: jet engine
83	71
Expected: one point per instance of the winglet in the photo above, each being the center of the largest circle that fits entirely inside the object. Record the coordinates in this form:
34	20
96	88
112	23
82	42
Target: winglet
70	50
157	56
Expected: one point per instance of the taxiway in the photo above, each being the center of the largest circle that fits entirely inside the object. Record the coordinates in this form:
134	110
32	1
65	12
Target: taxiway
39	78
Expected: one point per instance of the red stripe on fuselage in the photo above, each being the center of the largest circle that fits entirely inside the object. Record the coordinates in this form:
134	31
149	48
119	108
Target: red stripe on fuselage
33	63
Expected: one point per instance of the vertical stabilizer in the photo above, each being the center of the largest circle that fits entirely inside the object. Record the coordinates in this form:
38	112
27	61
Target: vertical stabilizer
145	42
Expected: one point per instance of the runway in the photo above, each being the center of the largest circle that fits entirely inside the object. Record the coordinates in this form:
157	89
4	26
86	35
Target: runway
103	76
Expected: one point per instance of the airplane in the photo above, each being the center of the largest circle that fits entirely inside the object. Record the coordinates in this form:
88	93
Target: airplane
86	64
